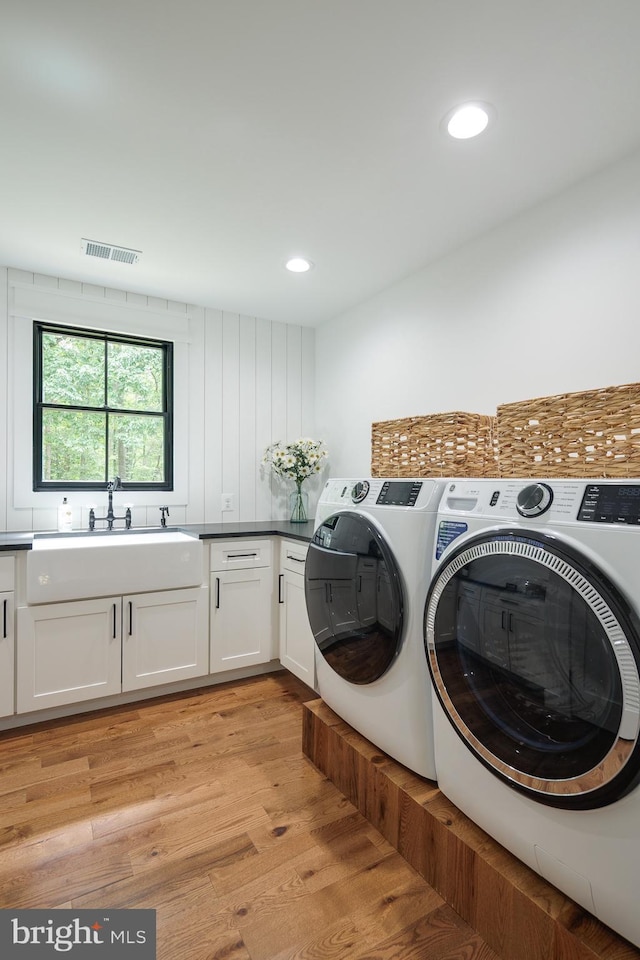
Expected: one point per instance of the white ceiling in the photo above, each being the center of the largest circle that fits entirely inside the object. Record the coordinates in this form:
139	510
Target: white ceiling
222	136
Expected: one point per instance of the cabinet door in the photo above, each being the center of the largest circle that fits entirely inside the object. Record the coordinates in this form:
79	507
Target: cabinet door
240	554
386	604
164	637
297	643
495	630
7	651
366	579
530	655
467	616
241	618
68	652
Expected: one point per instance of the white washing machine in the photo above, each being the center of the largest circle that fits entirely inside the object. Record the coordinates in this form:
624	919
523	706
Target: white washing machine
532	635
366	578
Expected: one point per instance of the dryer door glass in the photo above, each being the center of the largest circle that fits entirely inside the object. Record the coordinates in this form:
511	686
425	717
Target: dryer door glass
354	597
534	656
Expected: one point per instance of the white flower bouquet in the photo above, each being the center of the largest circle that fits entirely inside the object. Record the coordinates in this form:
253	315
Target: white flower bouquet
296	461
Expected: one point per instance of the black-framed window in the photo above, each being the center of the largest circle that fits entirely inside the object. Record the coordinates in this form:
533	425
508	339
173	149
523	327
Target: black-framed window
103	407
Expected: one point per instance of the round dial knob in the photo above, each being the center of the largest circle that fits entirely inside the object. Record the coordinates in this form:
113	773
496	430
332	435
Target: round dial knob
360	490
534	500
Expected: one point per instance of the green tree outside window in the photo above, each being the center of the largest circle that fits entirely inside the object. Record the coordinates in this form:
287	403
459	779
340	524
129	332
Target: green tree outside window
102	409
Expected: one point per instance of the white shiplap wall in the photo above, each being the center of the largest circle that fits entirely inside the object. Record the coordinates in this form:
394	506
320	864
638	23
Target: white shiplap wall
241	383
259	387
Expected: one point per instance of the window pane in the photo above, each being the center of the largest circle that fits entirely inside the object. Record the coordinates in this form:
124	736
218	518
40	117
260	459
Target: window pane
135	377
73	446
97	373
72	370
136	448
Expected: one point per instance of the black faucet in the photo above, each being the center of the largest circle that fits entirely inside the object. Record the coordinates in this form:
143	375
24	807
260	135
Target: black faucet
115	484
165	513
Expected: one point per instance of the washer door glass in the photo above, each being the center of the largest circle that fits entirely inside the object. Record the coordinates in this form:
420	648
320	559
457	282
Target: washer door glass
534	656
354	597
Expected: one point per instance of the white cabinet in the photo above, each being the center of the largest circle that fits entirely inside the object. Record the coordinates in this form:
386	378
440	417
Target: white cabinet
86	649
68	652
75	651
165	637
7	635
297	644
366	590
7	650
242	604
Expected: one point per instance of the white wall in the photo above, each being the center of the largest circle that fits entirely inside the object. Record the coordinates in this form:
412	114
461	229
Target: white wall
547	303
240	384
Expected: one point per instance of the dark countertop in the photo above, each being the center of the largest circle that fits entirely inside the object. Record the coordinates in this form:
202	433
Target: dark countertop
204	531
255	528
15	541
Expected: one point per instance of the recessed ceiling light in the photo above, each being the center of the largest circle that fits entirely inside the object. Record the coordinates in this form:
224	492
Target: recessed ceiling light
467	120
298	264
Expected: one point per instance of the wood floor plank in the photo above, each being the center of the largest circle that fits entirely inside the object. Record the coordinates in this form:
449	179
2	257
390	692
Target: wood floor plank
38	819
337	941
403	904
275	851
198	939
280	917
432	937
170	891
45	883
13	799
328	864
89	745
85	731
52	845
174	794
174	837
203	807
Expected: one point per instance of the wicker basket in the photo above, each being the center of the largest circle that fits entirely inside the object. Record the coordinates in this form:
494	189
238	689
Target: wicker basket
595	433
439	445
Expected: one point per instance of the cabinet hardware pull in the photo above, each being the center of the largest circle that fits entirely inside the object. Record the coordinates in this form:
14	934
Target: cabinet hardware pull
240	556
280	579
297	559
217	593
360	584
502	619
130	618
114	621
510	623
4	619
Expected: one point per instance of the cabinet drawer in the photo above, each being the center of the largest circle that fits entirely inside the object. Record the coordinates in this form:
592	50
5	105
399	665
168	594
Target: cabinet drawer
293	554
240	554
6	572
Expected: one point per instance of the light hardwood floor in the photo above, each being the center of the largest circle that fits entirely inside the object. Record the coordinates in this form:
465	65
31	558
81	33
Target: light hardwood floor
203	807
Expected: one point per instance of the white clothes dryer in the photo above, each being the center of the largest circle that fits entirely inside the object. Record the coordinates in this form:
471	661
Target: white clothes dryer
366	578
532	636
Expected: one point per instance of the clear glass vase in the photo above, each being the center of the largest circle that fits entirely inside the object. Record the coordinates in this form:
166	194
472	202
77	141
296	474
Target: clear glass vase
299	506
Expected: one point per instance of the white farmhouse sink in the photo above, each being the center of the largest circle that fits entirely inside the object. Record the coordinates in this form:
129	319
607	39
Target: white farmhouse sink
101	564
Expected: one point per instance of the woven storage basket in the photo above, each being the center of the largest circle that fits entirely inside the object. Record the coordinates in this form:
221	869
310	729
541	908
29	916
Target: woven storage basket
439	445
595	433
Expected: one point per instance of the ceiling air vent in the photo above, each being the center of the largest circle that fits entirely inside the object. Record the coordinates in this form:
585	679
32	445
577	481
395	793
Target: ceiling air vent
107	251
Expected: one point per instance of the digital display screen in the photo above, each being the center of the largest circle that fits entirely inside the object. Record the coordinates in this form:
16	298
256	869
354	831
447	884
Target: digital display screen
399	493
611	503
